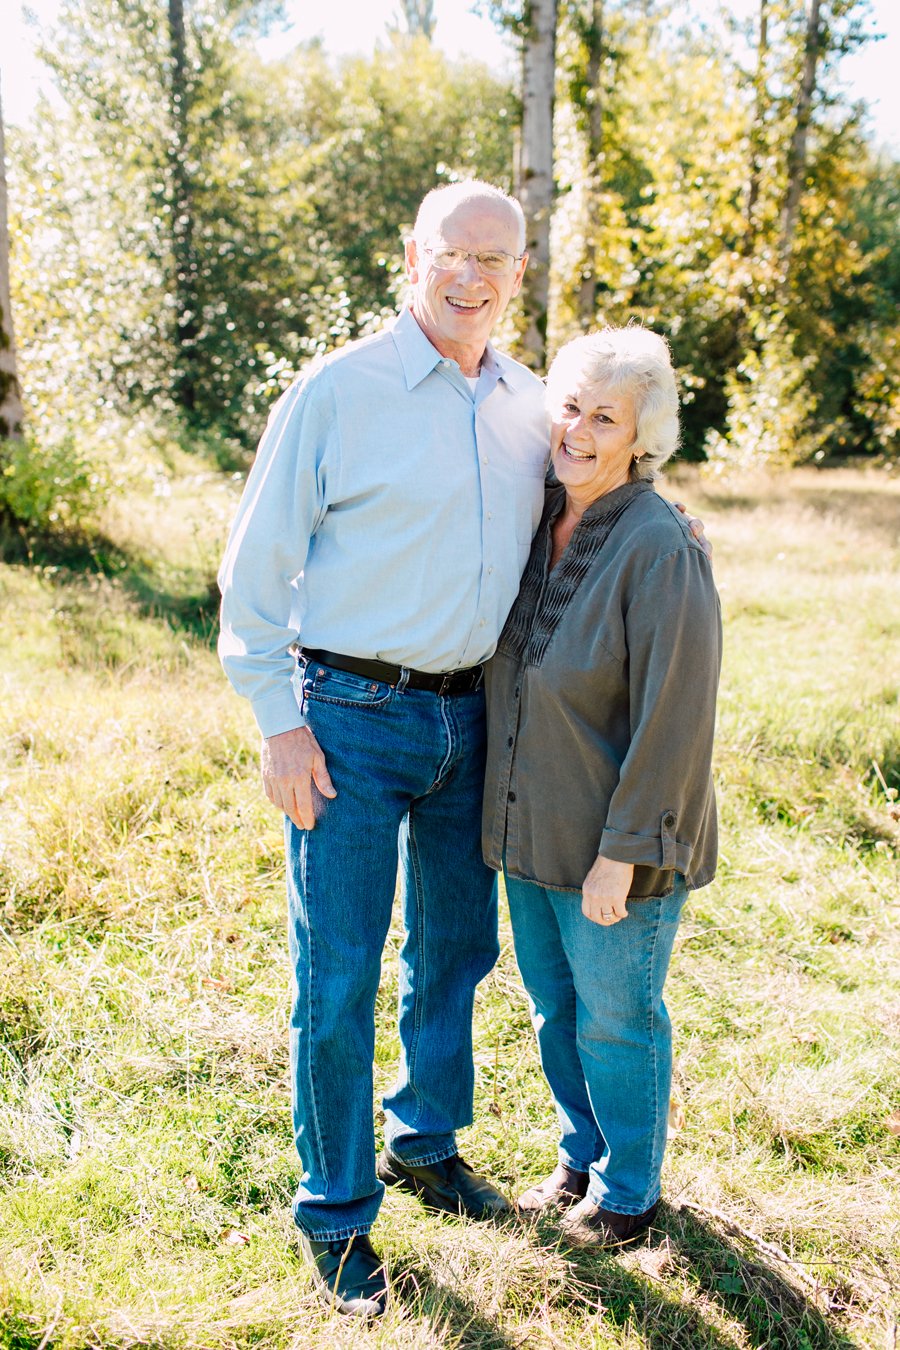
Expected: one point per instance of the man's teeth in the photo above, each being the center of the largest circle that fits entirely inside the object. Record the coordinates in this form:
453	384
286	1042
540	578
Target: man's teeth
464	304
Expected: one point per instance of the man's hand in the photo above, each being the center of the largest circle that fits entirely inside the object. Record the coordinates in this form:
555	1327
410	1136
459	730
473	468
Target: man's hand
605	891
695	525
291	763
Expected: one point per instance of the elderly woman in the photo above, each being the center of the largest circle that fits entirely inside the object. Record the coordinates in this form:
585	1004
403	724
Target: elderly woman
599	800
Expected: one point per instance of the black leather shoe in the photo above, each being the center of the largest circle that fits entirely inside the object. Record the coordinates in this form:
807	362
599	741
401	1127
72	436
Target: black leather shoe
450	1186
349	1274
587	1225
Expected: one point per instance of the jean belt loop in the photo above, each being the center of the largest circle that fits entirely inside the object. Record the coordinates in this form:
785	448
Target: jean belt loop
403	680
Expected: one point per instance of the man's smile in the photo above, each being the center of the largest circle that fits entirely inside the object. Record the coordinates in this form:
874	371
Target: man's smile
458	303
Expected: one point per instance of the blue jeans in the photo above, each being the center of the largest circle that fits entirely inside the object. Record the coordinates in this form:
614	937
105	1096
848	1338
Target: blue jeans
408	767
603	1032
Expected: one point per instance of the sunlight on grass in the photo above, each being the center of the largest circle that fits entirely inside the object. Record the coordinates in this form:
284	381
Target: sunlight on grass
144	1133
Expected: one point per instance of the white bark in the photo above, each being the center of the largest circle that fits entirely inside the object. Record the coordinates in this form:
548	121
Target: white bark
11	412
758	130
535	187
587	294
796	163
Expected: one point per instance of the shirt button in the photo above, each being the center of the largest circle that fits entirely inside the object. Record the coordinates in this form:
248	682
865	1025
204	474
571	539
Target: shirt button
510	796
490	570
490	515
481	623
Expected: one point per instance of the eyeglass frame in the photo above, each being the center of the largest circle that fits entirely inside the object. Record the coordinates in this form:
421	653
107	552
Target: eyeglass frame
451	248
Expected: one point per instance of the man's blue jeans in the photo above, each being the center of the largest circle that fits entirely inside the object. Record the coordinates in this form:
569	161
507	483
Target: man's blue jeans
603	1032
408	767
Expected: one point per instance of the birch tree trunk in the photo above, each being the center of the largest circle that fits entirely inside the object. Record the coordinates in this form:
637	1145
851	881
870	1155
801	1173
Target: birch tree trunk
587	296
185	264
796	161
757	132
535	187
11	412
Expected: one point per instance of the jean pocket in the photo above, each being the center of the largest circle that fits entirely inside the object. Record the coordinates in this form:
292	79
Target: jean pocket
326	685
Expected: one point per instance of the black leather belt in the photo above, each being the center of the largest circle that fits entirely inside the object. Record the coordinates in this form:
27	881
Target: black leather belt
454	682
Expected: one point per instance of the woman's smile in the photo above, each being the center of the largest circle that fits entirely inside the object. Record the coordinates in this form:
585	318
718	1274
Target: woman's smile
578	455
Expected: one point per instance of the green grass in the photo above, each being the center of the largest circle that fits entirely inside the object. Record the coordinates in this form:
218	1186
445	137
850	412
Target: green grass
145	1152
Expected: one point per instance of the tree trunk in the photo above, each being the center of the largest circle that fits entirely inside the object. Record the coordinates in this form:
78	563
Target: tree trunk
796	161
587	295
535	187
11	413
757	132
185	265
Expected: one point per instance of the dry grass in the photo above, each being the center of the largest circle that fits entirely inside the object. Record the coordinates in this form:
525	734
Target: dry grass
144	1138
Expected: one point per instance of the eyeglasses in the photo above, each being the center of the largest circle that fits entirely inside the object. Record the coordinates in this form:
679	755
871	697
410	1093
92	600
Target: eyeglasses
493	263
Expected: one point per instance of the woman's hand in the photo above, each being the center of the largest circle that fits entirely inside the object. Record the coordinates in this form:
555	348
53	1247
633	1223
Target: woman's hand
605	891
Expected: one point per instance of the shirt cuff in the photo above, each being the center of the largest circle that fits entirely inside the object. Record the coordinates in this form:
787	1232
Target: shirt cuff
279	712
660	849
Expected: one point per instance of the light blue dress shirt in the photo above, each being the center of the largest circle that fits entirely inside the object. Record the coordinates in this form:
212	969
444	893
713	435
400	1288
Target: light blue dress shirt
388	514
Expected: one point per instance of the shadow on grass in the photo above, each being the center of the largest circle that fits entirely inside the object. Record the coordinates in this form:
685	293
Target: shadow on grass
729	1280
64	559
466	1327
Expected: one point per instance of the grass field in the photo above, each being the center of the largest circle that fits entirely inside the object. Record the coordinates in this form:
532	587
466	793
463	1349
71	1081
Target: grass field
145	1152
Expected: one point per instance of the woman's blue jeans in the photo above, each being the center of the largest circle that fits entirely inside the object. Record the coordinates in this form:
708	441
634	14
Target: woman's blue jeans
603	1032
408	767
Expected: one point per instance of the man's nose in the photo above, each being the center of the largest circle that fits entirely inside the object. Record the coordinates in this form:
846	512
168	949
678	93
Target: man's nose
470	272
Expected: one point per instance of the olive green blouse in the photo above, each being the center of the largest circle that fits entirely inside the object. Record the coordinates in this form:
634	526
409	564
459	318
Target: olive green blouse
602	702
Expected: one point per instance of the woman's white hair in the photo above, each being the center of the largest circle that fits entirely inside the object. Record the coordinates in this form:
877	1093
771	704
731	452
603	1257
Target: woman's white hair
633	360
438	204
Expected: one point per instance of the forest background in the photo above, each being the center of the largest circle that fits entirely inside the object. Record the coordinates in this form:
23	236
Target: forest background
189	223
713	180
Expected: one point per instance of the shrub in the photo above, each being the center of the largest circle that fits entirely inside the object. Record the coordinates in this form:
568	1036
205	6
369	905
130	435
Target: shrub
51	488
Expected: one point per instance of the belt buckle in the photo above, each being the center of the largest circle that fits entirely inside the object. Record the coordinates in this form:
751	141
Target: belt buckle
445	685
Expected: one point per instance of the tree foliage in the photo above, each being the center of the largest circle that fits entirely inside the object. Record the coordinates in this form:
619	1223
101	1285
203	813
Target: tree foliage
209	220
750	245
194	222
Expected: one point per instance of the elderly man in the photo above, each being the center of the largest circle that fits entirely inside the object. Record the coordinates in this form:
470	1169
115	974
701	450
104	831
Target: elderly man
383	528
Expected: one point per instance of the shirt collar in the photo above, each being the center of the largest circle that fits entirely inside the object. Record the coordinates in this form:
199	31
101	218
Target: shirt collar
505	368
612	502
419	358
600	511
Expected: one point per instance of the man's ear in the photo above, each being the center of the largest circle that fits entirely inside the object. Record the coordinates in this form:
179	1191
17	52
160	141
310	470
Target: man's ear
411	256
520	272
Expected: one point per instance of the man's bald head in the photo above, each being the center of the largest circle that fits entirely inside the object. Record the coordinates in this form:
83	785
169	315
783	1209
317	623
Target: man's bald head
441	202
